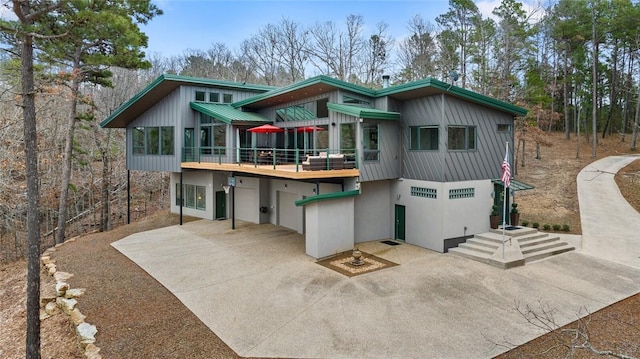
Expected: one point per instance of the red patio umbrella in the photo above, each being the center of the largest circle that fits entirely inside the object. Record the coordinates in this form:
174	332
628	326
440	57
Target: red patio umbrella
267	128
310	129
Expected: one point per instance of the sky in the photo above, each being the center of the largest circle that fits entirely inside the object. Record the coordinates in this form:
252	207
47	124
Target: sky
197	24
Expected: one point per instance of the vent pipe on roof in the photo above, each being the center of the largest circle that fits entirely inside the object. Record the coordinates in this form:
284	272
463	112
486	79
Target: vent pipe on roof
385	81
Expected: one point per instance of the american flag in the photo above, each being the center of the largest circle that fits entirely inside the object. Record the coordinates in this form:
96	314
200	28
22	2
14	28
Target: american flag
506	169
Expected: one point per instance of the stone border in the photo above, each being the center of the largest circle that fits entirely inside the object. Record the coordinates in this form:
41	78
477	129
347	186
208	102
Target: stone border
65	300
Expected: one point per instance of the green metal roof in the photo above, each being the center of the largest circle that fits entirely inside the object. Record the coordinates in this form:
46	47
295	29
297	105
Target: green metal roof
322	83
327	196
226	113
515	185
161	87
418	87
363	112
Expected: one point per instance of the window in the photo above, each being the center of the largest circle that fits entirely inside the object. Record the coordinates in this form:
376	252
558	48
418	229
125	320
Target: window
138	141
348	100
348	138
424	138
461	193
214	97
370	142
227	98
213	135
153	140
304	111
461	138
504	127
194	196
166	136
200	95
424	192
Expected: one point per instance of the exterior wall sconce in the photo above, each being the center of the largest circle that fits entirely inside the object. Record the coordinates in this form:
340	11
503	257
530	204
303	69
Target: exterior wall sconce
314	191
333	124
285	185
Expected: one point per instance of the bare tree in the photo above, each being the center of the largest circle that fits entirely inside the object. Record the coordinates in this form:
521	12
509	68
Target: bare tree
416	54
335	53
291	44
376	55
260	52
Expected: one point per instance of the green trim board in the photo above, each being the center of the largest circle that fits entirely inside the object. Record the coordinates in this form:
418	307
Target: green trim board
226	113
455	91
515	185
363	112
327	196
157	89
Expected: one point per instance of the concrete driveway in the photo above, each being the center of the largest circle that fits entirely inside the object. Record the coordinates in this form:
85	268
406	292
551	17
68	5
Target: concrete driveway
258	291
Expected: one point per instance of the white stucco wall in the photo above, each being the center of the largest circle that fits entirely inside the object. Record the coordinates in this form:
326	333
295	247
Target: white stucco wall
429	221
373	214
330	227
198	178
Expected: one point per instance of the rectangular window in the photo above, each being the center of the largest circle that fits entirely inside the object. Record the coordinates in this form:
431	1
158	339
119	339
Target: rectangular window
348	138
461	138
370	142
178	194
504	127
227	98
190	196
138	141
220	138
166	135
214	97
424	192
201	197
348	100
200	96
153	140
461	193
424	138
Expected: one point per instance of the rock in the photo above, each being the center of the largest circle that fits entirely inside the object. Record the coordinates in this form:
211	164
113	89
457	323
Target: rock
58	245
49	265
62	276
71	240
52	270
76	317
67	305
46	299
51	308
62	288
92	352
45	260
48	251
86	333
74	293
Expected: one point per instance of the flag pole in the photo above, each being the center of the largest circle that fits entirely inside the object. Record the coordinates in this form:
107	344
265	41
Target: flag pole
505	173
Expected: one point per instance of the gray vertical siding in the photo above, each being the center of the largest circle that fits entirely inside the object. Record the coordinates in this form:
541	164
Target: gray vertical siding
485	161
388	166
450	166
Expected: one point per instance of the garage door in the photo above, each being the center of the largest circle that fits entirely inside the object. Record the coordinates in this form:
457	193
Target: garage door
246	204
288	213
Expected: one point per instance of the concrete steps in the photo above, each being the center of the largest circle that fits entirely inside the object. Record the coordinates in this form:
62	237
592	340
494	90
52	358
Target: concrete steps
521	245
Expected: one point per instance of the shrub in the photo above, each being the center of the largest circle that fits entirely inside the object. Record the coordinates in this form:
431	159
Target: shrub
556	227
565	227
525	223
546	227
535	225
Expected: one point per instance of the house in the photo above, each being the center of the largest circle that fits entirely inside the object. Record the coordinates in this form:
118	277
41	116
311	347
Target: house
338	162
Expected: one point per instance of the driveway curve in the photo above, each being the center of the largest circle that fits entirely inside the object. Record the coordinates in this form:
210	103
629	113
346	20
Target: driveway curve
610	226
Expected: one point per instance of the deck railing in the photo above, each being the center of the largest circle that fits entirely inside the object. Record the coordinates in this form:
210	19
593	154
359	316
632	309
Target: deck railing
316	159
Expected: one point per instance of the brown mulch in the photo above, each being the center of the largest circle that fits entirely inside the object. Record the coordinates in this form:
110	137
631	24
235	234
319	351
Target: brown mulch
137	317
342	263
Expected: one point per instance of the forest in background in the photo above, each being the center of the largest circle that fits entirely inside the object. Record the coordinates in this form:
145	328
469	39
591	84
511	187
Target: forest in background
572	63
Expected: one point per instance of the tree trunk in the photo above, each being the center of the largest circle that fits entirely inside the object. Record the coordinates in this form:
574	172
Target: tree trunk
594	89
33	191
634	133
565	90
68	151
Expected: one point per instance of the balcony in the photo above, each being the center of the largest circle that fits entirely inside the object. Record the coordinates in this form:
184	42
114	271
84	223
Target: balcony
274	162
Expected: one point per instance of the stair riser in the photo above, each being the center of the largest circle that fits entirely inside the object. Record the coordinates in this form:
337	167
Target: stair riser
538	241
476	248
538	256
543	248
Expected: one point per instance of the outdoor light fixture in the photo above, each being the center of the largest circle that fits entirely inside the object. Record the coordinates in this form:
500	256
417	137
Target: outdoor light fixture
285	185
314	191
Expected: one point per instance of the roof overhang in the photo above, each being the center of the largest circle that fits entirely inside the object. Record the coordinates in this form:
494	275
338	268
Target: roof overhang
327	196
515	185
227	113
314	86
160	88
363	112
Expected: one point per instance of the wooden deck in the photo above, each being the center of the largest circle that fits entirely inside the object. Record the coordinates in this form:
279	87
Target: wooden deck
280	171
